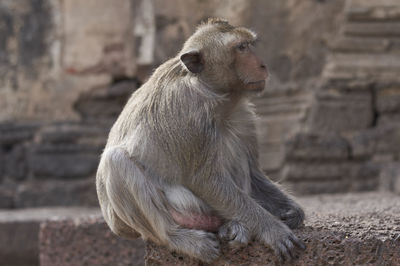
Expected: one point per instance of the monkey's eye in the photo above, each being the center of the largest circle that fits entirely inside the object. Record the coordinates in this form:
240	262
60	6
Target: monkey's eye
243	47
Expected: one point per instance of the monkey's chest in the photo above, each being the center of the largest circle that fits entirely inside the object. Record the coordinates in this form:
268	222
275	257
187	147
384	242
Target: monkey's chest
234	158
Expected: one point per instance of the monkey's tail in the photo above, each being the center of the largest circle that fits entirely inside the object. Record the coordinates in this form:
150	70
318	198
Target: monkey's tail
136	200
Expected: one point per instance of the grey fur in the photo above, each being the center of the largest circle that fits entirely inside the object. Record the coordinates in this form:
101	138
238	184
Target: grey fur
187	142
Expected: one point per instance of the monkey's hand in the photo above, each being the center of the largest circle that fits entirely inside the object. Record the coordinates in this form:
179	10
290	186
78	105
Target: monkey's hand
235	233
281	239
293	216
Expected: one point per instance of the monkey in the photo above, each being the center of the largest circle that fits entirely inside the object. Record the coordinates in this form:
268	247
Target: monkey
180	166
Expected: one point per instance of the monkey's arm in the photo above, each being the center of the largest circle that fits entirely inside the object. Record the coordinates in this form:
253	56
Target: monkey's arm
273	199
222	194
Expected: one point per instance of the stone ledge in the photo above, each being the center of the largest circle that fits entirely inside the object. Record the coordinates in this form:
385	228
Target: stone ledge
19	231
86	241
347	229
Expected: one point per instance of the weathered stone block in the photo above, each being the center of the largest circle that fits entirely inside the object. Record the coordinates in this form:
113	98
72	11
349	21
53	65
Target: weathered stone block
397	185
363	144
370	10
16	42
384	139
277	127
353	86
360	44
86	241
19	230
85	133
372	29
56	193
281	112
278	100
272	156
367	170
16	165
13	133
19	242
2	163
298	171
95	43
390	177
349	66
313	187
72	165
317	147
36	66
7	195
388	119
362	185
333	177
64	160
365	177
336	111
388	100
105	102
395	46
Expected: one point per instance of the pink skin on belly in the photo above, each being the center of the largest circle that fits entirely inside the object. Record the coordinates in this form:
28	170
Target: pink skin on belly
197	221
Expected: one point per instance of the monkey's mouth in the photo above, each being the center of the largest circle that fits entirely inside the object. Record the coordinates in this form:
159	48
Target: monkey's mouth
260	82
256	85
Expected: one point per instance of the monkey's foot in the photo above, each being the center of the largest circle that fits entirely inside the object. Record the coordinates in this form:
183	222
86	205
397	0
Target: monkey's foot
282	240
293	217
235	233
196	243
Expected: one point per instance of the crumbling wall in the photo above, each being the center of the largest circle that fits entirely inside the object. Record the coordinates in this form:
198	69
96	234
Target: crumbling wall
351	137
327	119
294	43
67	69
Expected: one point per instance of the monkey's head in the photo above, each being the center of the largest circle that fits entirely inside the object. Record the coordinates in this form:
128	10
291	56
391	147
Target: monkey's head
222	56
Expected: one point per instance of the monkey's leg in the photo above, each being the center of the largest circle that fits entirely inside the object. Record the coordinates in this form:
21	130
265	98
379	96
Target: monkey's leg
233	204
189	211
116	225
195	214
142	205
270	197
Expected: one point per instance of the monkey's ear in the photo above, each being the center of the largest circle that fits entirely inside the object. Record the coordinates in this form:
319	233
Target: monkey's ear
193	61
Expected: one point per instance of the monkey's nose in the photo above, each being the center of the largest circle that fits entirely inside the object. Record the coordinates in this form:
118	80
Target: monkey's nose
263	66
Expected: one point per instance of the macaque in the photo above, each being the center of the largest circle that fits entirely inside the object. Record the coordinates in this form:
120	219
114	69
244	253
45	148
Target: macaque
180	167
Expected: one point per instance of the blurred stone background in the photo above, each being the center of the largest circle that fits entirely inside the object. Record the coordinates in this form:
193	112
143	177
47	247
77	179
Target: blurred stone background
329	121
